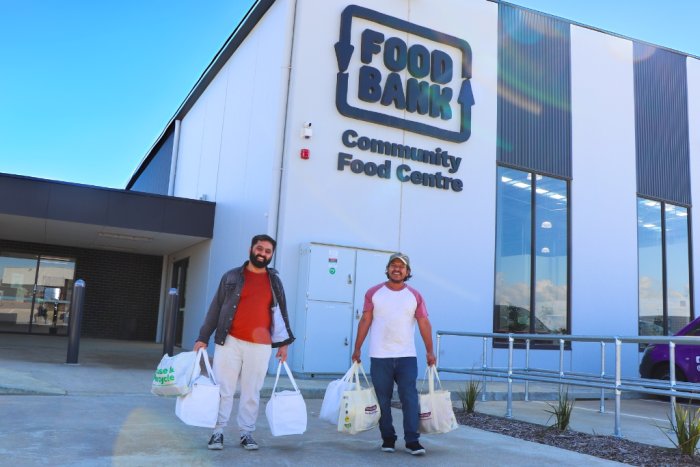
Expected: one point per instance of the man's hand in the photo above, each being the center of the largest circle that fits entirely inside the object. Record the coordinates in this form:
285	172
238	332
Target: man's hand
199	345
430	357
356	356
282	353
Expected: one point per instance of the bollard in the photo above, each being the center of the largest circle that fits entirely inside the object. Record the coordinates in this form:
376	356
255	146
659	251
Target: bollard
618	383
171	306
509	401
484	365
74	321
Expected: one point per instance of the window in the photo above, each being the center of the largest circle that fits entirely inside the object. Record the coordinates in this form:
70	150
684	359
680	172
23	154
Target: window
532	260
664	267
35	293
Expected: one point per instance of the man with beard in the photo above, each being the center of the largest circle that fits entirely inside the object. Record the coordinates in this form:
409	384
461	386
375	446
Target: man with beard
249	314
392	309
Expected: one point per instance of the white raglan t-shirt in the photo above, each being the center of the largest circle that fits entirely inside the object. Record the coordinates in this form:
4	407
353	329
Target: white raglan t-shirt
394	320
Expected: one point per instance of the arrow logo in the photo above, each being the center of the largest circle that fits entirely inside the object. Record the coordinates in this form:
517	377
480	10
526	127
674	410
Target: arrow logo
343	53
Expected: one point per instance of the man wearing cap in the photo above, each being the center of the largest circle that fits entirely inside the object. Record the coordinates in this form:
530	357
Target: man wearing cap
391	310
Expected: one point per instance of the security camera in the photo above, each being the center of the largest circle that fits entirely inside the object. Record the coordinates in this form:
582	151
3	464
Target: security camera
306	131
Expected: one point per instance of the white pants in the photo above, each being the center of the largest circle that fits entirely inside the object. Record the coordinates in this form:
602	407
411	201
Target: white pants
246	362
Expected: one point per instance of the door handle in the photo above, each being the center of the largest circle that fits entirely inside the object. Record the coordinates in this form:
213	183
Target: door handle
349	279
357	313
346	341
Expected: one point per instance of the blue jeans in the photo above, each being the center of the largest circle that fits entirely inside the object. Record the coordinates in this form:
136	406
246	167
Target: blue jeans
403	371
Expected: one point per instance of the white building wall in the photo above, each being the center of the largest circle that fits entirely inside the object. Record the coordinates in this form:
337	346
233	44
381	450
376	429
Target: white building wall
603	195
241	143
449	235
693	66
230	150
196	296
190	152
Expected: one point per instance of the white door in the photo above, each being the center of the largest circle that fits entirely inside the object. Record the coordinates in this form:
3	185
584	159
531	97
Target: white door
331	273
327	339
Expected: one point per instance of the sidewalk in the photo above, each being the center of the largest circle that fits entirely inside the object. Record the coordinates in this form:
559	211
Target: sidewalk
100	412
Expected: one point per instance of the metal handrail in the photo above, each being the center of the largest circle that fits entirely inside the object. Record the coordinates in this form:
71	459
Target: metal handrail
616	383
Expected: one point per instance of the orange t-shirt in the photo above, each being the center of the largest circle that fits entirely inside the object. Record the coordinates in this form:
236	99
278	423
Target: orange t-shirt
251	322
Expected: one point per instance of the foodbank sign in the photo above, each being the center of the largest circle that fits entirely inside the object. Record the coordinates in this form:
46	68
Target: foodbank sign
402	75
422	87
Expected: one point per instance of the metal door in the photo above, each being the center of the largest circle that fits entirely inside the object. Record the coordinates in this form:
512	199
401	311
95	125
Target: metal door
331	273
327	338
179	282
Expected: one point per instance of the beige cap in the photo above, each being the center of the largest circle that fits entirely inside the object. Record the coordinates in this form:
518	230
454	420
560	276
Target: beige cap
402	257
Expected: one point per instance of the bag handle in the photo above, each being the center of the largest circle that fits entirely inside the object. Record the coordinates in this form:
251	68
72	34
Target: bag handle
289	374
347	377
197	370
431	375
190	372
356	375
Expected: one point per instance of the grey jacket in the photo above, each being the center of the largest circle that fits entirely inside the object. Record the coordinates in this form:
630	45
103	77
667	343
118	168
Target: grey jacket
225	303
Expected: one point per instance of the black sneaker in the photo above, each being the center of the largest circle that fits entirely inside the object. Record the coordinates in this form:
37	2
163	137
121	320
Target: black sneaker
388	445
415	448
216	441
248	442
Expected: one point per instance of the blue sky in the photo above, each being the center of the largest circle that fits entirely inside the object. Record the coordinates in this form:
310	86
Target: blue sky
87	86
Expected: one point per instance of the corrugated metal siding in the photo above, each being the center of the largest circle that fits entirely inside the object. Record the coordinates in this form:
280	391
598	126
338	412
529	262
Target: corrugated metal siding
156	176
661	124
534	91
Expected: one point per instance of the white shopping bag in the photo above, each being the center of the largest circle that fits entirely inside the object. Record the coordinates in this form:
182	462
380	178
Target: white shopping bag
359	408
330	408
436	413
200	406
173	375
286	410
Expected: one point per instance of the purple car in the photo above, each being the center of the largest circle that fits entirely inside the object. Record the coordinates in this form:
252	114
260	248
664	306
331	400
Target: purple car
655	360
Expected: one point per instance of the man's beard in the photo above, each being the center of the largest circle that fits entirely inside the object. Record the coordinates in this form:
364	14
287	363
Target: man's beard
259	261
393	279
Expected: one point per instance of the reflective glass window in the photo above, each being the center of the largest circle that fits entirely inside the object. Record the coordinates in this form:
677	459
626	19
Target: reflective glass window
35	293
677	267
531	238
650	257
17	277
551	256
513	245
664	267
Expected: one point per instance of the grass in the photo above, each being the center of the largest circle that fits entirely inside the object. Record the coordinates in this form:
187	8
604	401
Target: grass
470	395
562	410
686	429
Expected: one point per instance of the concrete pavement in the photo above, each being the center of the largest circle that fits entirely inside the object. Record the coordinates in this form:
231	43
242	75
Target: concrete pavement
100	412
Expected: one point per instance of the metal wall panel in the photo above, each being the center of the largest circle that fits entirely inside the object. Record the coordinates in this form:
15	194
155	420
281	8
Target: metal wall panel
534	92
155	177
661	124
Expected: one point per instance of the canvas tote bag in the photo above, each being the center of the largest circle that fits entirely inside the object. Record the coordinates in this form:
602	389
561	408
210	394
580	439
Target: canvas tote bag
286	410
436	414
359	408
330	408
173	375
200	406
